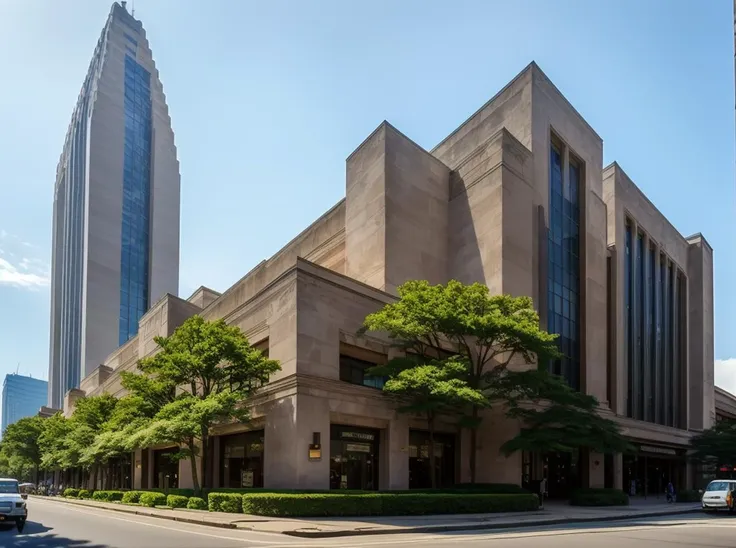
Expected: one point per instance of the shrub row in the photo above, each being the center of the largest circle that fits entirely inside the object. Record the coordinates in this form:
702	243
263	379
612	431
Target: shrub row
599	497
71	492
152	499
108	496
196	503
374	504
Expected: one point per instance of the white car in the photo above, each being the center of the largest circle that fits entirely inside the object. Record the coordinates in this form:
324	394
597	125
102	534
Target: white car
13	509
714	497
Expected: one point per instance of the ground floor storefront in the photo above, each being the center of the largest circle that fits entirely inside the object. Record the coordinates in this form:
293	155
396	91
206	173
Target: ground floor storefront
329	435
360	458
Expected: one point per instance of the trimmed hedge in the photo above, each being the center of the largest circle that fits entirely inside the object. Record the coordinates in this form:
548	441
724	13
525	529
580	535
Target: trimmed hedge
196	503
71	492
385	504
689	495
490	488
132	497
108	496
181	492
599	497
176	501
84	494
152	499
225	502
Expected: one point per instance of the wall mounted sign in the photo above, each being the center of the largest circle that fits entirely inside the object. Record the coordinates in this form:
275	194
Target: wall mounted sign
315	451
363	436
658	450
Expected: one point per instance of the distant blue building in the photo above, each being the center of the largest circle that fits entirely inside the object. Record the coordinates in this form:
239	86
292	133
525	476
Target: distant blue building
22	397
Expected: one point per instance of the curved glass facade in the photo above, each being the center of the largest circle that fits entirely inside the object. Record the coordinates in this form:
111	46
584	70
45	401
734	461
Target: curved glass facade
563	281
136	199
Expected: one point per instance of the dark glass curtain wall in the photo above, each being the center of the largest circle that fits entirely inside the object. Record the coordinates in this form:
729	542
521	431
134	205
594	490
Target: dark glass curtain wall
654	323
563	282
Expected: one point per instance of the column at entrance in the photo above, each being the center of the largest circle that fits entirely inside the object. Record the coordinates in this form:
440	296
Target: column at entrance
291	424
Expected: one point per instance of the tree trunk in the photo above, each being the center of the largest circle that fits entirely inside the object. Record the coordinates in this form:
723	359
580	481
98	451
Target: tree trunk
474	445
193	461
94	476
432	459
204	458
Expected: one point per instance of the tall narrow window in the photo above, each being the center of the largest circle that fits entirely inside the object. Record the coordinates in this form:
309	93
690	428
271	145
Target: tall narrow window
651	356
564	262
640	325
134	259
665	378
629	320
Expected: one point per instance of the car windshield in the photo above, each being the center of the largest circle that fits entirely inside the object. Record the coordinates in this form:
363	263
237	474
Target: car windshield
8	487
718	486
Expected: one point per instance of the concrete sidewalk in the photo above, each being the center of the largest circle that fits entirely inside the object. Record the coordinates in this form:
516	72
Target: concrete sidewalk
552	514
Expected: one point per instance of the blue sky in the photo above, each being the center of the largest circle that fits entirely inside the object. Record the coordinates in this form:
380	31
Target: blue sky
269	98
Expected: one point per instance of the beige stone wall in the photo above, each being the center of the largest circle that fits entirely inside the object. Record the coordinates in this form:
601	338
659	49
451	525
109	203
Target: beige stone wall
700	331
397	212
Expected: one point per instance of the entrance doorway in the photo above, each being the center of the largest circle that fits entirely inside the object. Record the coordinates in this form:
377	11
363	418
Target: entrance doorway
165	469
242	460
647	473
353	458
563	474
419	468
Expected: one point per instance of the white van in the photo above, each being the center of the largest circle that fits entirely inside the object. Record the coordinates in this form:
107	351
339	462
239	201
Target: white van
714	496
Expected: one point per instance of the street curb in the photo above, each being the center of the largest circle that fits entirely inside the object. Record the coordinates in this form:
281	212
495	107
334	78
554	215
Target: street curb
478	527
133	511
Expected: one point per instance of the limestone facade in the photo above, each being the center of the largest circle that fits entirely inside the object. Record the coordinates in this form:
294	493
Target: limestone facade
476	208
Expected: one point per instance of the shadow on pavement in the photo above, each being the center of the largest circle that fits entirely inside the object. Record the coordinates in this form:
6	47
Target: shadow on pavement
586	527
36	535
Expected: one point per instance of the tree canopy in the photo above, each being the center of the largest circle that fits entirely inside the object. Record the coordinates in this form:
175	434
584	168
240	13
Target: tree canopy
489	333
429	389
717	445
201	376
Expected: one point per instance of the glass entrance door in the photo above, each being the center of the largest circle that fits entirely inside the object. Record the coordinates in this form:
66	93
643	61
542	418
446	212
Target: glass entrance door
353	458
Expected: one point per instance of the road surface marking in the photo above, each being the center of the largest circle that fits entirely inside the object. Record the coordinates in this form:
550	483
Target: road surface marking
101	512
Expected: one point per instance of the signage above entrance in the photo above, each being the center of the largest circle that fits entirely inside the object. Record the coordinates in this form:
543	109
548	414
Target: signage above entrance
658	450
363	436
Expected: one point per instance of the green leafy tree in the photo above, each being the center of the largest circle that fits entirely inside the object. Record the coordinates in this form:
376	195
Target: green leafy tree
214	369
716	445
489	332
21	440
55	454
556	418
429	390
130	414
87	421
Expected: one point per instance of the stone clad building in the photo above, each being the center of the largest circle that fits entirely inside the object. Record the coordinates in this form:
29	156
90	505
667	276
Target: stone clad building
517	198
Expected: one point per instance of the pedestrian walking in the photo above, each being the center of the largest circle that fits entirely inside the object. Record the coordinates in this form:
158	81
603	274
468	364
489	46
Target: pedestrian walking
671	495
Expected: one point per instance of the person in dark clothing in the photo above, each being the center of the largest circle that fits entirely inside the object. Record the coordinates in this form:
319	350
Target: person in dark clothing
671	495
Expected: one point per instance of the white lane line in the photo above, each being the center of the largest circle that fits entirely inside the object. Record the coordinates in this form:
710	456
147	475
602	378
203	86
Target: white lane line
469	536
106	514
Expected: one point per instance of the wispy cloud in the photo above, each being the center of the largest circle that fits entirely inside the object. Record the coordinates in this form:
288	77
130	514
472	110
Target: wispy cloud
21	276
725	374
26	273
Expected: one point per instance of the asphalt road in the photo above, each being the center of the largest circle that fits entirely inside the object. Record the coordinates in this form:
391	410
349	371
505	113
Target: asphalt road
53	524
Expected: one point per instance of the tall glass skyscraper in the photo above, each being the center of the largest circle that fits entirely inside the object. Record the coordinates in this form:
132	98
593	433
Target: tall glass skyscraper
116	207
22	397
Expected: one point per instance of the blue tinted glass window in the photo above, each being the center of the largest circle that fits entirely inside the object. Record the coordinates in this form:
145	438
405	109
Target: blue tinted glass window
136	198
564	264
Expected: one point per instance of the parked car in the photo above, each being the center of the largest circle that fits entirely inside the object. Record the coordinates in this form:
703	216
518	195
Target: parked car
13	509
715	495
